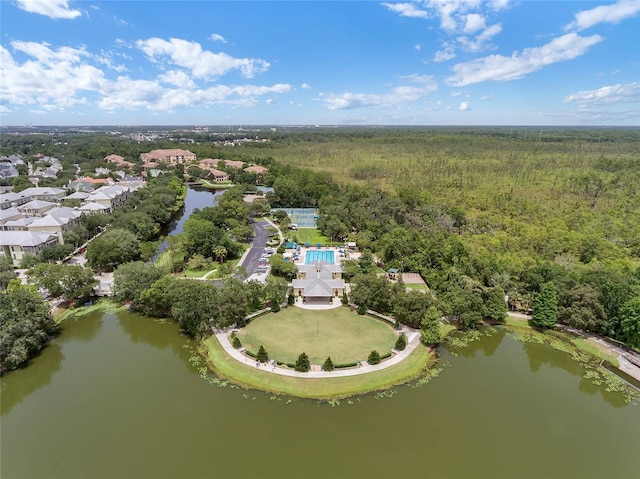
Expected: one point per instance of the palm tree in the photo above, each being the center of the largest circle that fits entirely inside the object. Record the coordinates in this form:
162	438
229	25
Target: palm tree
220	252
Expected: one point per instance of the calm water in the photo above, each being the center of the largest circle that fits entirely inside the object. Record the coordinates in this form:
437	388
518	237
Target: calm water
196	198
115	396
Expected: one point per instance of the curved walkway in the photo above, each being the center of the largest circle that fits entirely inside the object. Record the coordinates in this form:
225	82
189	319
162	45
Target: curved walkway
413	340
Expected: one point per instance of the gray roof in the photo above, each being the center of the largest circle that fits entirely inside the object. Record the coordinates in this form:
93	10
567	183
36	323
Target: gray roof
25	238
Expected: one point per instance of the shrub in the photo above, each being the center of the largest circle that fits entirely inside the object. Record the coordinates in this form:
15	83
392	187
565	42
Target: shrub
345	298
346	365
328	365
374	357
235	342
362	309
262	355
275	306
281	249
251	354
302	364
291	299
401	343
385	356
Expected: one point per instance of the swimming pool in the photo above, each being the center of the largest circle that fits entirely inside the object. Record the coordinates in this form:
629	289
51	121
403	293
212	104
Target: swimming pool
315	255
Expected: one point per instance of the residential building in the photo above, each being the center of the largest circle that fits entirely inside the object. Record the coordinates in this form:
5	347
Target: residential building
173	156
46	194
7	200
17	244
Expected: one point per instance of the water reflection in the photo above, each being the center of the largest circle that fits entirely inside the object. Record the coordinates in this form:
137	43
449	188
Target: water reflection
84	327
489	342
157	334
540	355
20	384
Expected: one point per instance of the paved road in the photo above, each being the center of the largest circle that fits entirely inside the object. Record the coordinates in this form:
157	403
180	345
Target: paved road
252	256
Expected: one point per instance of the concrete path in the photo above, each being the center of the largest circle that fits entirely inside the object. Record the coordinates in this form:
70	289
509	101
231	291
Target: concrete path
413	340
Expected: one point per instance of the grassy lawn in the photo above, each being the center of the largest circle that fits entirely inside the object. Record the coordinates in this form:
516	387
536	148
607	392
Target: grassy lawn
339	333
310	235
329	388
416	286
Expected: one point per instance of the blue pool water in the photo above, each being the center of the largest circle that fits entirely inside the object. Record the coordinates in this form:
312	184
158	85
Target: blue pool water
314	255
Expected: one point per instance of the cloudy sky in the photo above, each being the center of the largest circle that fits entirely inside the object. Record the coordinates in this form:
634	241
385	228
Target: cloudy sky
428	62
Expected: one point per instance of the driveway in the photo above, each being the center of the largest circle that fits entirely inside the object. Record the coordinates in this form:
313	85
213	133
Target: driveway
251	258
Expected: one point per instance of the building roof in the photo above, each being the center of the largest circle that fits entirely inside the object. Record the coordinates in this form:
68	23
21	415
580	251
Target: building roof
78	195
36	205
9	214
93	207
25	238
42	191
257	169
234	163
319	282
165	153
8	198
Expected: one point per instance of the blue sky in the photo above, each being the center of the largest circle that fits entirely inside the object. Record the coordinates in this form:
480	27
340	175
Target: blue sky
430	62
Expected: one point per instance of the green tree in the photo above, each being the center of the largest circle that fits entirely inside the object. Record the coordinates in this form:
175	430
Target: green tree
262	355
401	342
495	307
70	281
409	307
232	304
374	357
220	252
6	272
26	326
463	306
545	307
374	292
131	279
430	332
113	247
195	307
630	324
328	365
235	342
302	363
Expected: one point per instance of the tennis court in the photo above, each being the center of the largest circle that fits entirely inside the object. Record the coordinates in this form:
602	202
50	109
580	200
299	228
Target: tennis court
303	217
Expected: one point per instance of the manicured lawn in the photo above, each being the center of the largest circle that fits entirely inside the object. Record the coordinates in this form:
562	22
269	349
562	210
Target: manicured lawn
310	235
416	286
339	333
329	388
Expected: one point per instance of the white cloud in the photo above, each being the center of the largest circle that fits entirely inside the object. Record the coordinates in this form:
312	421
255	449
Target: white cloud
447	53
406	10
50	8
486	97
501	68
604	14
479	43
52	76
627	93
464	106
417	47
474	22
399	95
216	37
305	86
498	4
422	79
58	79
203	64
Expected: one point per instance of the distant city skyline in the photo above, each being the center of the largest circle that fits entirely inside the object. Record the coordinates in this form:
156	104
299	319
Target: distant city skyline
430	62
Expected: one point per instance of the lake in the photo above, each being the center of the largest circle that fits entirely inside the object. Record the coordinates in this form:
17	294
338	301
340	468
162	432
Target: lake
115	395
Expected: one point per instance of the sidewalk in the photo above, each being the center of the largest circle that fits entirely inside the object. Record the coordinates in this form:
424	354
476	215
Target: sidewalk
413	340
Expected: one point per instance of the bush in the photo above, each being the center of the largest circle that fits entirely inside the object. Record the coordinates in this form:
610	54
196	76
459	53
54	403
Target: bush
235	342
251	354
385	356
401	343
291	299
275	306
262	355
345	298
328	365
362	309
302	364
281	249
374	357
346	365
